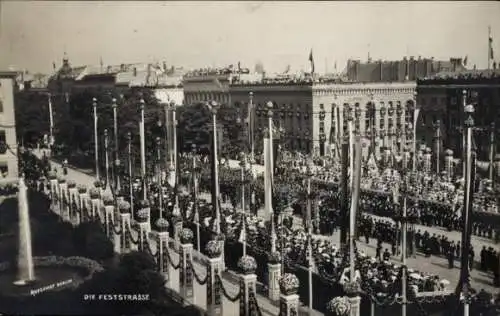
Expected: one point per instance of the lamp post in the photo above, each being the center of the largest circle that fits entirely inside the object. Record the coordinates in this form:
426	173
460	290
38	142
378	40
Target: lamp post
96	141
251	127
143	150
106	156
269	177
492	150
131	188
174	138
437	137
168	148
351	147
117	157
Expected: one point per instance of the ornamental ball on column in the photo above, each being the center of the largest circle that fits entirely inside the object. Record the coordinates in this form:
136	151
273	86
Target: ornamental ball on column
129	136
106	132
141	104
214	106
242	159
193	148
94	102
114	105
269	106
158	141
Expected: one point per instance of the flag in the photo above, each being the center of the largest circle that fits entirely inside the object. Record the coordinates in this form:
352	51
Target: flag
243	232
54	65
287	69
490	44
268	178
311	59
250	121
239	66
465	60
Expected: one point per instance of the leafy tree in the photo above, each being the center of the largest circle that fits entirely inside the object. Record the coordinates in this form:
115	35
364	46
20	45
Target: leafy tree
32	116
92	241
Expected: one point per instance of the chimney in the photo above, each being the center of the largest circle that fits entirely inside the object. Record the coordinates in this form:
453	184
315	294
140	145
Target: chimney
135	71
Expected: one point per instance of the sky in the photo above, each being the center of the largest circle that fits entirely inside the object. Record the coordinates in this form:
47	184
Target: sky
35	34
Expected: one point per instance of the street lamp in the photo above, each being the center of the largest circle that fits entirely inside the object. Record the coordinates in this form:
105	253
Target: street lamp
214	107
158	176
243	163
195	199
117	158
309	234
51	124
416	111
96	141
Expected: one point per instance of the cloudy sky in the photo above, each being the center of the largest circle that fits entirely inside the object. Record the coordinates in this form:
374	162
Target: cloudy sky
33	35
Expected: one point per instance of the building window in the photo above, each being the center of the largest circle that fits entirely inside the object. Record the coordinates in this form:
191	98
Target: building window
382	123
367	125
321	106
3	142
1	106
391	123
4	168
322	127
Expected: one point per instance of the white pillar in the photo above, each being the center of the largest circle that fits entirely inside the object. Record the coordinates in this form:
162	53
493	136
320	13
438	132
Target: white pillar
186	273
274	270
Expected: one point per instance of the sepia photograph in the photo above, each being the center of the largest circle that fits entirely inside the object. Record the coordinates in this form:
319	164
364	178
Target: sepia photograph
250	158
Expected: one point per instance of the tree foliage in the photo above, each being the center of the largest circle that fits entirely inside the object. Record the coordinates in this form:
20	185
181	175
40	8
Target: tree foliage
32	116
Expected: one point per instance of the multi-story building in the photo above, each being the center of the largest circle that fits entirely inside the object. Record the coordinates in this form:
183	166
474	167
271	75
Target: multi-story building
8	139
312	116
408	69
440	98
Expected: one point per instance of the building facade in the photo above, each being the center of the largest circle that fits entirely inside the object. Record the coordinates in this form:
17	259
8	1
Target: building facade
441	99
8	139
312	117
203	86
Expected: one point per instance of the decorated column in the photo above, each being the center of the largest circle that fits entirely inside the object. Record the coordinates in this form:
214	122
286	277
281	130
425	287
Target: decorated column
146	212
214	297
108	214
162	241
72	201
248	280
353	290
427	160
82	199
53	183
124	208
95	202
289	299
186	257
62	193
177	220
405	158
142	218
449	163
274	269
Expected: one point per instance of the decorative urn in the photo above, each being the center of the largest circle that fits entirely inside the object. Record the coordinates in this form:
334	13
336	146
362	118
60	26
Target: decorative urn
142	216
52	175
352	288
94	193
274	257
213	249
108	200
82	189
247	265
61	180
339	306
143	204
124	207
71	184
97	184
162	225
289	284
186	236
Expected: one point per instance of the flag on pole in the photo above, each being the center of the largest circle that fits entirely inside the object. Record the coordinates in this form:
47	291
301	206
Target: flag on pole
465	60
243	232
490	46
311	59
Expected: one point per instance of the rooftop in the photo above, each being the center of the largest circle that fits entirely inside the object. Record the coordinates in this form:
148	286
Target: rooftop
465	75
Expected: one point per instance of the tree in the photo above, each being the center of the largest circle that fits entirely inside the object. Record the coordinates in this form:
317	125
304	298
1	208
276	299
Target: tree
32	116
92	241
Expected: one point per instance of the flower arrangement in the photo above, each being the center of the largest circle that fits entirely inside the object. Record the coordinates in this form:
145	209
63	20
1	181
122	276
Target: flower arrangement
71	184
82	189
143	204
94	193
339	306
162	225
42	178
247	265
274	257
289	284
108	200
124	206
97	184
52	175
213	249
142	215
352	288
186	235
61	180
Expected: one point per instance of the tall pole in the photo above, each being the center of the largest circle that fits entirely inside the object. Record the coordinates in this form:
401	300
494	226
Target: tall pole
344	198
168	149
106	156
269	190
404	227
243	213
351	151
117	157
251	127
354	205
158	176
96	140
415	121
143	150
174	139
51	124
438	144
492	150
195	198
131	188
214	107
309	236
468	196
